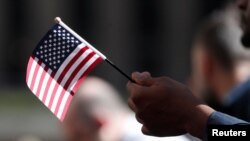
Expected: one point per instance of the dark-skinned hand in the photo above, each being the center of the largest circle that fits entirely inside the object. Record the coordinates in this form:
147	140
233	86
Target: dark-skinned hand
166	107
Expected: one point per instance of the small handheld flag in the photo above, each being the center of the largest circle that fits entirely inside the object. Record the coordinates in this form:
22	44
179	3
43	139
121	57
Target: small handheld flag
57	66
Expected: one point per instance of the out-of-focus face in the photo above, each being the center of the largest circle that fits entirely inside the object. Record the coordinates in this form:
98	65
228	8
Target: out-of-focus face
244	6
198	83
80	128
202	77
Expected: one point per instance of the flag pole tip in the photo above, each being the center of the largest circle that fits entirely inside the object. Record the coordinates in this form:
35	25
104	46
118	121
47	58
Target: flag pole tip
58	20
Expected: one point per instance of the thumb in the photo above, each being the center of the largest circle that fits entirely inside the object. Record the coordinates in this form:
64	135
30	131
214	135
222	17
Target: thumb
144	78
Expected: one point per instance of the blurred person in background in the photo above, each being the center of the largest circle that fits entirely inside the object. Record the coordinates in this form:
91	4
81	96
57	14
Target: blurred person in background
220	63
98	113
79	125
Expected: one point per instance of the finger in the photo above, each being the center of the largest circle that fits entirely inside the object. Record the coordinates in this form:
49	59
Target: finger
138	119
146	73
137	92
145	130
131	105
134	88
142	78
130	87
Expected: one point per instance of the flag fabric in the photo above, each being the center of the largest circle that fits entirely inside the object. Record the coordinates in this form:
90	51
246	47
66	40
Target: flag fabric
57	66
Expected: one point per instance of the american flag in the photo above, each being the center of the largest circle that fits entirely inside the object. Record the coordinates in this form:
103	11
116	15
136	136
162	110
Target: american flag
57	66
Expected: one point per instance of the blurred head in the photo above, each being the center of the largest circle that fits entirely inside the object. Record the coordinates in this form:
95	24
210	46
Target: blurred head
244	6
79	124
95	111
216	53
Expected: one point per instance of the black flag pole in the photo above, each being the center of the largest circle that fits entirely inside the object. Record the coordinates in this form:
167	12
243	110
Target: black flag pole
119	70
60	22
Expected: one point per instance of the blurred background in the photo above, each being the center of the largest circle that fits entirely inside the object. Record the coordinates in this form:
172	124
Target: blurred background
136	35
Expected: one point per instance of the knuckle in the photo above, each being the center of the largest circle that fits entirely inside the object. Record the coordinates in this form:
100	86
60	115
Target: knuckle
145	130
140	120
129	86
132	91
134	74
136	99
135	96
131	105
140	116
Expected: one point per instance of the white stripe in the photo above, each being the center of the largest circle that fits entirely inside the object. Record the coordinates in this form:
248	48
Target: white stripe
58	93
88	64
38	78
52	85
44	84
31	73
63	104
65	97
68	59
60	70
67	76
66	94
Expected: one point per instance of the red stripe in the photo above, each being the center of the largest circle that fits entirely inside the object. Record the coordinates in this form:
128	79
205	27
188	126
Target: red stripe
41	81
75	88
74	73
64	72
78	68
31	59
66	108
47	86
66	69
35	74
